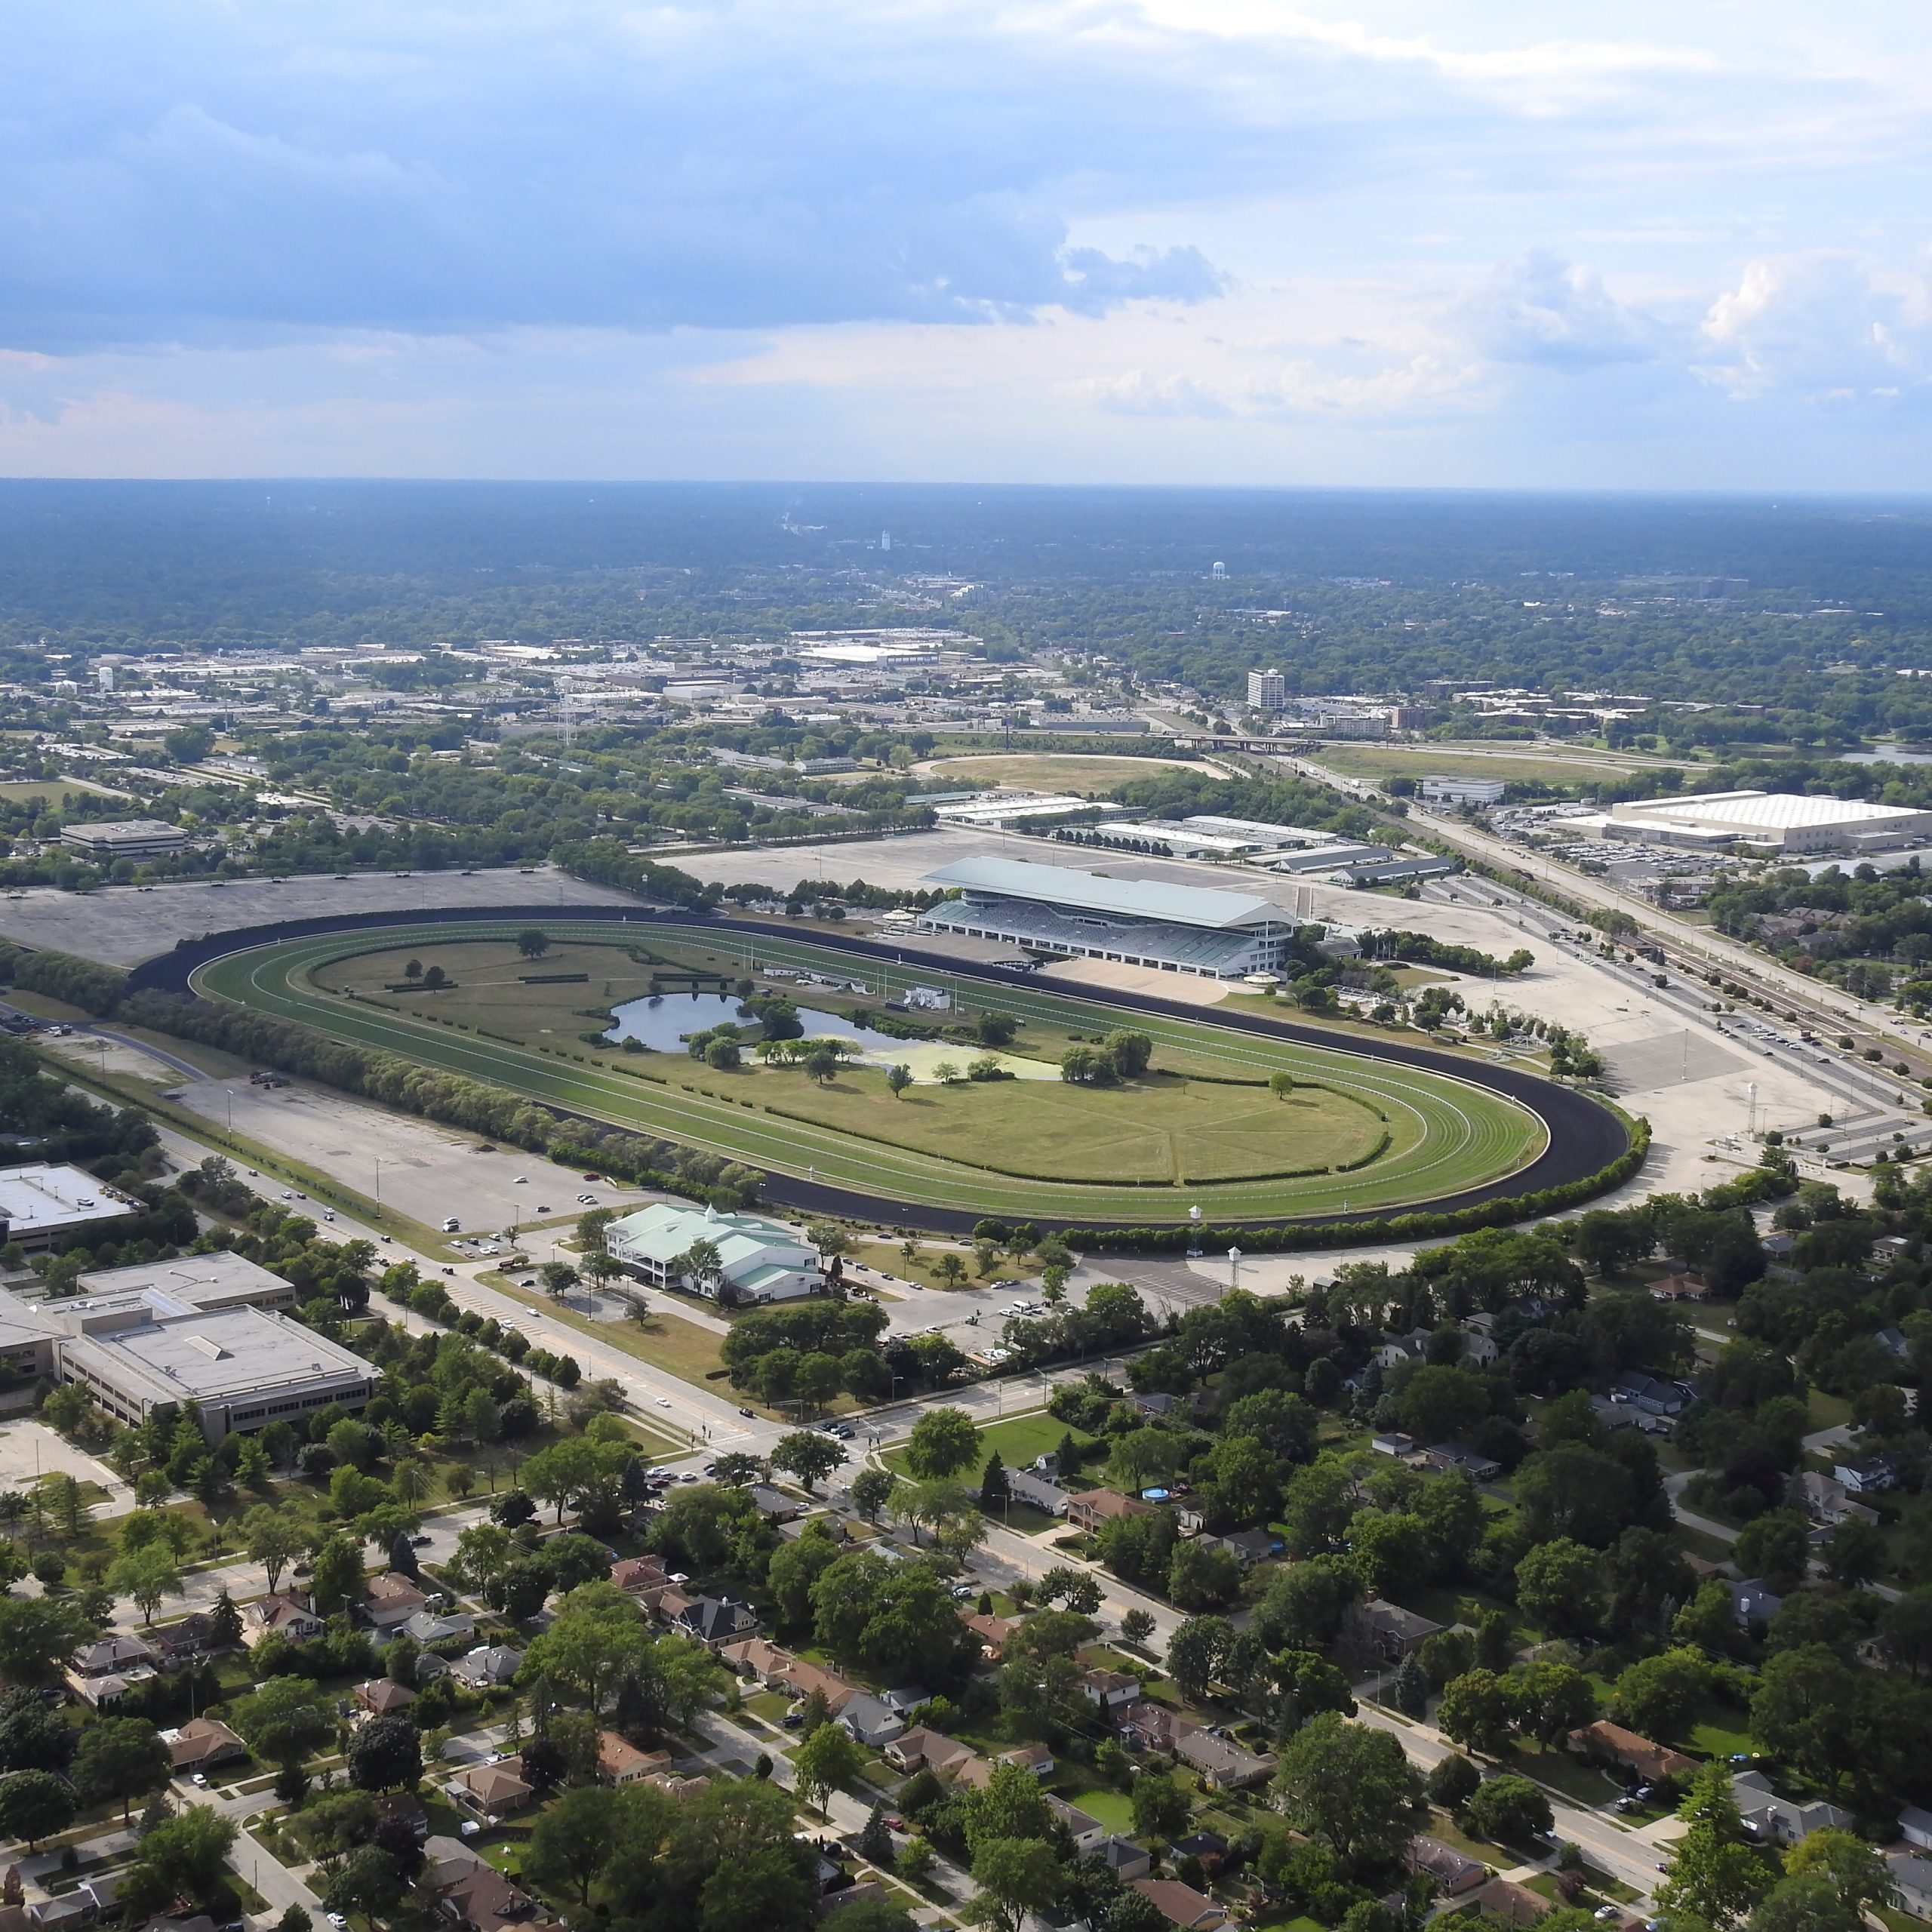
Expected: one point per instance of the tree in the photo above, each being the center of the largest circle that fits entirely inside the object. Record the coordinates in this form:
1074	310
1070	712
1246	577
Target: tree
1712	1878
281	1721
1550	1699
34	1805
597	1638
1136	1627
915	1860
1410	1692
1351	1788
994	1491
1655	1697
828	1759
1015	1876
807	1455
368	1881
1560	1586
873	1491
1203	1578
387	1754
1196	1651
875	1840
335	1581
573	1841
1808	1904
1509	1807
1475	1712
35	1633
1804	1710
183	1858
1282	1085
533	942
1161	1808
273	1538
899	1078
121	1758
1451	1781
1775	1546
144	1576
1143	1455
558	1278
944	1441
1855	1871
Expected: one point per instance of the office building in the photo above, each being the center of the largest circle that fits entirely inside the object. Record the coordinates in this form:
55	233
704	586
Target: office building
124	838
1267	690
1054	910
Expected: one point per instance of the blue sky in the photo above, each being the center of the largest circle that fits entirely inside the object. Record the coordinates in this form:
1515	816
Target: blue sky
1348	241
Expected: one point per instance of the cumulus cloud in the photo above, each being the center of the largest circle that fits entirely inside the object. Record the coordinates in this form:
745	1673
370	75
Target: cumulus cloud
1542	309
1830	326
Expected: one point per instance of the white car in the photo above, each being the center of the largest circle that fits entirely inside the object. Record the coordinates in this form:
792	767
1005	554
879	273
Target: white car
663	1401
521	1180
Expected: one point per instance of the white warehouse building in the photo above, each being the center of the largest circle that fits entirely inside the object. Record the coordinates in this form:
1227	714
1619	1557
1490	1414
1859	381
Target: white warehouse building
1054	910
1767	823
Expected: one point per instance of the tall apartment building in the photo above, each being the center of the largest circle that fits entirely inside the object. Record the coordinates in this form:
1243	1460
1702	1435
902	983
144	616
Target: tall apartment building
1267	690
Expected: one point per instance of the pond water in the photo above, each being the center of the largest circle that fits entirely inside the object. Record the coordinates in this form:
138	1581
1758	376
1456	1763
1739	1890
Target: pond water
665	1023
1888	755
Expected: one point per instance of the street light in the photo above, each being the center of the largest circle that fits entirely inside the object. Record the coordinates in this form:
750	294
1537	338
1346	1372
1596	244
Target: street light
379	1187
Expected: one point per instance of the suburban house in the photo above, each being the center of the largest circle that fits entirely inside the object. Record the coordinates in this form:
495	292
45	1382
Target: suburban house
638	1574
716	1621
871	1720
1826	1500
114	1655
1392	1442
1124	1859
1444	1457
1224	1764
492	1791
481	1898
404	1808
1451	1873
1912	1876
774	1505
1144	1725
1092	1507
381	1696
1400	1348
488	1664
1085	1831
1157	1403
1249	1547
202	1743
992	1632
436	1626
390	1599
1783	1820
1109	1689
778	1670
186	1639
1753	1600
103	1693
1873	1476
1041	1492
284	1617
1393	1632
619	1761
1182	1905
1606	1743
1915	1827
921	1749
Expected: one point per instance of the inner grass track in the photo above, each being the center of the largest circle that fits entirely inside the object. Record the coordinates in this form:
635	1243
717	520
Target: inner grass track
1480	1132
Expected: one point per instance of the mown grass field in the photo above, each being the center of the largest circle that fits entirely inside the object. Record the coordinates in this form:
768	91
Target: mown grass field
1446	1135
1514	767
1088	776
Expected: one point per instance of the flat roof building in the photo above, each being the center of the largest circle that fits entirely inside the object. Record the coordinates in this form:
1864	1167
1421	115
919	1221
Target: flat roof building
1054	910
190	1283
125	837
1462	791
39	1205
995	810
243	1367
759	1260
1767	824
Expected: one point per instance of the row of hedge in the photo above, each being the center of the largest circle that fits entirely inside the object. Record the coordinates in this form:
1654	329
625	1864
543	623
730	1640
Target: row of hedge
1290	1236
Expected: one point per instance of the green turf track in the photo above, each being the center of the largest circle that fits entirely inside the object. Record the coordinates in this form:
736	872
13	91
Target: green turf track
1462	1135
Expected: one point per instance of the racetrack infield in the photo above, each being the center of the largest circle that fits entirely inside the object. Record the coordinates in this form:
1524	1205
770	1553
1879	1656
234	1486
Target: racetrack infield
1488	1132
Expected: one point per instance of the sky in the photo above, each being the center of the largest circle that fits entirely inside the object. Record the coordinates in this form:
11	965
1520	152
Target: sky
1597	243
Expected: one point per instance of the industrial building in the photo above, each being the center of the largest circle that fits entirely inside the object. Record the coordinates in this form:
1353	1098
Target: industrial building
124	838
758	1260
993	811
1763	824
1054	909
1462	791
40	1205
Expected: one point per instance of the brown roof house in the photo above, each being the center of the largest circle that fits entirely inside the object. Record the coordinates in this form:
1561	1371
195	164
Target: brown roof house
921	1749
381	1696
1091	1507
1606	1743
284	1615
993	1632
202	1743
492	1791
390	1599
619	1761
1182	1905
1452	1873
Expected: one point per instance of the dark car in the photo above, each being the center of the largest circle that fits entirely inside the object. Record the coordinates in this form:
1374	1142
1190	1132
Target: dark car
752	1413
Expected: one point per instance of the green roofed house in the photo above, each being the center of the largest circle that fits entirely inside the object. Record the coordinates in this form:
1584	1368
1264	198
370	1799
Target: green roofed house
733	1258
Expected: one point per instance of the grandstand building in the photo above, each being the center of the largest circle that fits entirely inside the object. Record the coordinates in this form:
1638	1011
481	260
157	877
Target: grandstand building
1053	910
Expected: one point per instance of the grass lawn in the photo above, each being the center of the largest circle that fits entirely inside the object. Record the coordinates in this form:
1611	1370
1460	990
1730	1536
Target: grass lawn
1114	1809
1163	1127
666	1340
1583	1784
1718	1730
1092	775
1442	1828
1526	766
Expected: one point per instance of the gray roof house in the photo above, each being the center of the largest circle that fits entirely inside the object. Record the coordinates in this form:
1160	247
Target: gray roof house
1124	1859
1224	1764
871	1720
1783	1820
